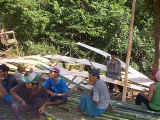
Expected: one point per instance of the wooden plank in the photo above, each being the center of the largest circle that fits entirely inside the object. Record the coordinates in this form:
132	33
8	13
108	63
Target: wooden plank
8	32
38	58
75	60
64	72
22	60
134	77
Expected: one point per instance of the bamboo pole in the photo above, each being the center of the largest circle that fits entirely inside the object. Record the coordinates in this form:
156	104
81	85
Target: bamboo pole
129	50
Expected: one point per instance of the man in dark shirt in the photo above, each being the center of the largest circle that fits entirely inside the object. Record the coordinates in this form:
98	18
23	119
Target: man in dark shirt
9	79
4	86
30	96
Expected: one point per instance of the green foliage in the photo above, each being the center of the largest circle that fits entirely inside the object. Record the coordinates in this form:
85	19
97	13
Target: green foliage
60	23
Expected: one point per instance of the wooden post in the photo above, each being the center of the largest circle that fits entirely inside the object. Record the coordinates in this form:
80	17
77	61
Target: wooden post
17	45
129	51
157	34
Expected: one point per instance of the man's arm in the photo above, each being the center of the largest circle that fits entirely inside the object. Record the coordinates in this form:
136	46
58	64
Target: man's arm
107	60
3	92
118	67
17	97
151	91
50	92
12	82
64	88
95	97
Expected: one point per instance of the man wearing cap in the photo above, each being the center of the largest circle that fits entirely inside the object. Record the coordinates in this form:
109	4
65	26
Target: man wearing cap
98	101
57	88
151	98
4	89
30	96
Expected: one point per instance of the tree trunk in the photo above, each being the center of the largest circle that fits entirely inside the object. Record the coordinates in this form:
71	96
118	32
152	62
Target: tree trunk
129	51
157	33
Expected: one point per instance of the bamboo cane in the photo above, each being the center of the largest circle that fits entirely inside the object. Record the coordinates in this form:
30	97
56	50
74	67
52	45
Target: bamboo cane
129	51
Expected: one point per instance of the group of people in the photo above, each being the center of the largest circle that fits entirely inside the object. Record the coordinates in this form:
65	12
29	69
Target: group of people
30	93
25	91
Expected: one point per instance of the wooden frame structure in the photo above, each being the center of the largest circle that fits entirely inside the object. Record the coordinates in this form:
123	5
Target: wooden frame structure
7	41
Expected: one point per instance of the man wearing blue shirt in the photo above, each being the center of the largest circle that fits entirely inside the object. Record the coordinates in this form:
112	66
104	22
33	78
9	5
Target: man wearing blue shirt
57	88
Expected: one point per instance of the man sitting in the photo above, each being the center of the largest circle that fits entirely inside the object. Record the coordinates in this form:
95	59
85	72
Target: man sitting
151	98
9	79
29	96
98	101
5	86
57	88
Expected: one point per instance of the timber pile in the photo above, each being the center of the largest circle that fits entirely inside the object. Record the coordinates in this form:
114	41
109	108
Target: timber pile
76	80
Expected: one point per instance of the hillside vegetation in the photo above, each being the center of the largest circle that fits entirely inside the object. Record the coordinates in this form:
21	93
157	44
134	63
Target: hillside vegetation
53	26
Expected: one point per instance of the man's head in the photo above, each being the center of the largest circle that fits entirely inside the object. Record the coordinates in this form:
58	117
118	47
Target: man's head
6	69
113	55
32	80
54	72
1	73
93	76
21	68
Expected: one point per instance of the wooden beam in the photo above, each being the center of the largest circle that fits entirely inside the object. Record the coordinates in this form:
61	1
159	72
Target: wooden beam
129	50
8	32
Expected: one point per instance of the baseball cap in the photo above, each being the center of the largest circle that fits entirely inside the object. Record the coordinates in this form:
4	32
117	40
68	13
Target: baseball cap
54	69
32	77
25	79
158	75
94	72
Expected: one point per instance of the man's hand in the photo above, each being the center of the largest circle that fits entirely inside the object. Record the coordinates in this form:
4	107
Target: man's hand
23	103
144	92
89	94
41	109
53	94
